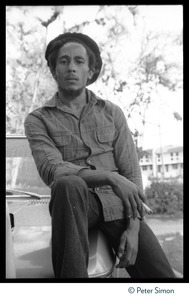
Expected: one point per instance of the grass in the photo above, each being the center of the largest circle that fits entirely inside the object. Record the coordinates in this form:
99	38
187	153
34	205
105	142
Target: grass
169	233
172	245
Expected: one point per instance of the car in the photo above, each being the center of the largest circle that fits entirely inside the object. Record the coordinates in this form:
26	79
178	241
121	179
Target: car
28	226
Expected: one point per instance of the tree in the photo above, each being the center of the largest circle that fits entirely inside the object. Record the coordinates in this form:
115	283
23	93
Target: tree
130	74
29	84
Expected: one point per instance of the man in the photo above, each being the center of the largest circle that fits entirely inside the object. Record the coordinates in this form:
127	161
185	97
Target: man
84	152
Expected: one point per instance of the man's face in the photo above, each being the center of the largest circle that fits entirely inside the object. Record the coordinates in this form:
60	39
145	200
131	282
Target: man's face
72	69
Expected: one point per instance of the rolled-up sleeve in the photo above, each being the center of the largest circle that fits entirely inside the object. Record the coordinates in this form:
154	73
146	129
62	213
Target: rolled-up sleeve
125	151
47	157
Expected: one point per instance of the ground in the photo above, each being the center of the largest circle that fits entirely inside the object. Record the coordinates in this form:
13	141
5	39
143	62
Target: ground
169	231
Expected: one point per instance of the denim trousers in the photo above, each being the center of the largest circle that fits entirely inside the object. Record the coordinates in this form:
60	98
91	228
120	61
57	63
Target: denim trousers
74	211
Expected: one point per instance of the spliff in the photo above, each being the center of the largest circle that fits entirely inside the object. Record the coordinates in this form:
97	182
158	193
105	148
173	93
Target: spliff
147	209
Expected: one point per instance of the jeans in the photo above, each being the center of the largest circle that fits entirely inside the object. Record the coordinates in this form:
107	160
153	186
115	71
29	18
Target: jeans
74	210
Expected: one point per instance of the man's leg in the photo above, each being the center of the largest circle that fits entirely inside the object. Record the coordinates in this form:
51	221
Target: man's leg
151	261
69	209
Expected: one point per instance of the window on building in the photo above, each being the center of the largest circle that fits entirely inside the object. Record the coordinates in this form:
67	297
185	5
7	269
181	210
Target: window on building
144	168
159	168
150	167
175	166
166	168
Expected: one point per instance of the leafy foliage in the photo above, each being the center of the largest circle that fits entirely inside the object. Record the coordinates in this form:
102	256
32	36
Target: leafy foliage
165	198
135	60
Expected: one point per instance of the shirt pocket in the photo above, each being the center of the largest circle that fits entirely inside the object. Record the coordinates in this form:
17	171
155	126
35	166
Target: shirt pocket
62	138
105	136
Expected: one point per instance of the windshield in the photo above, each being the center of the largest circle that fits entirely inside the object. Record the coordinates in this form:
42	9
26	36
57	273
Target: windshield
21	171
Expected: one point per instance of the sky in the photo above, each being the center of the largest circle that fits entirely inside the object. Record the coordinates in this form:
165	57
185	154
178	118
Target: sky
164	17
161	128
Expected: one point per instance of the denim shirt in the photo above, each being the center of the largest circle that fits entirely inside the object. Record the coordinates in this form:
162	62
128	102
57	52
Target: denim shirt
63	144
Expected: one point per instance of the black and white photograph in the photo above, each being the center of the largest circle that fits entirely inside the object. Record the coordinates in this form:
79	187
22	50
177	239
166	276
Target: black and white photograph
94	145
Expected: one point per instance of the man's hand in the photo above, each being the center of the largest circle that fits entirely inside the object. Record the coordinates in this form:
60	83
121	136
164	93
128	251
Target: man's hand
128	248
126	190
130	194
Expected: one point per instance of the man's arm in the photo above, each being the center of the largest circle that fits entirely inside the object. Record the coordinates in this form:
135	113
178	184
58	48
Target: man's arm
128	247
127	191
47	157
125	154
132	199
127	186
127	162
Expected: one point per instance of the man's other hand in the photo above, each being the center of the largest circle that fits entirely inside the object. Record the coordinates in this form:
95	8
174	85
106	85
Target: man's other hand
128	248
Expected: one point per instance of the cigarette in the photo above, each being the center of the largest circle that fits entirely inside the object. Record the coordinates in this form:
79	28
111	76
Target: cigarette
147	209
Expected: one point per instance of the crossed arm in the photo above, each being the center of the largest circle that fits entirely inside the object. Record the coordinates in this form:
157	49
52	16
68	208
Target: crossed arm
126	185
132	199
127	191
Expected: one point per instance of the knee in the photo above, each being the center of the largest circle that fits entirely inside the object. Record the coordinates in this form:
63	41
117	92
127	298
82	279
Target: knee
70	183
70	189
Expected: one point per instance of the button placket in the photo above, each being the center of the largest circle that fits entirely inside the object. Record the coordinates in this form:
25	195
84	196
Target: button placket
89	162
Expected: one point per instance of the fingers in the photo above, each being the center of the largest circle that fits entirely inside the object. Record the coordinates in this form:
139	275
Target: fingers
136	199
123	263
128	208
142	204
134	206
122	246
142	196
128	258
145	204
132	203
132	198
140	207
142	214
125	260
123	257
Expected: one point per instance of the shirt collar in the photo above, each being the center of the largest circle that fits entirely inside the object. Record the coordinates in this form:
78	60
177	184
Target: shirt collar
56	102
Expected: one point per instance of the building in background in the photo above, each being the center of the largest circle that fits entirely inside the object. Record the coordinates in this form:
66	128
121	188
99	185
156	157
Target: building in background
163	164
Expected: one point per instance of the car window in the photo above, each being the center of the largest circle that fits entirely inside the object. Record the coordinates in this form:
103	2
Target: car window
21	171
